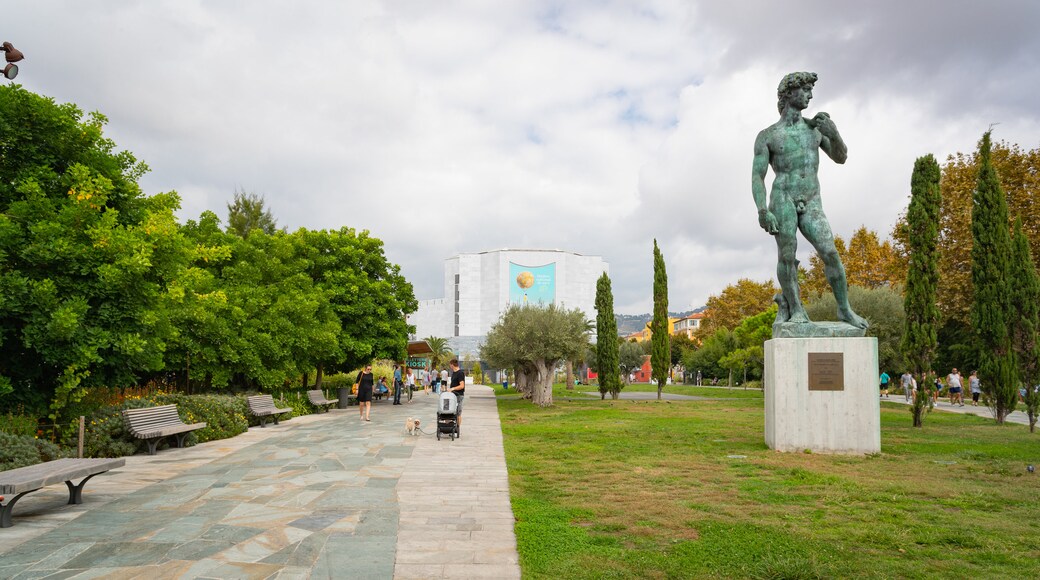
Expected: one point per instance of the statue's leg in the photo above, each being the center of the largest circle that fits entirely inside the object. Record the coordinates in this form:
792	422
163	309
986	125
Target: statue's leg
787	262
817	230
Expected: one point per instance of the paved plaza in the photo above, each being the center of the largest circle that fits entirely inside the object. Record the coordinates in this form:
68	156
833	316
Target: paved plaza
320	496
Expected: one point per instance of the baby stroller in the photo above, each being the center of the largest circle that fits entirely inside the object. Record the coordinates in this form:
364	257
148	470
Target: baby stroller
447	415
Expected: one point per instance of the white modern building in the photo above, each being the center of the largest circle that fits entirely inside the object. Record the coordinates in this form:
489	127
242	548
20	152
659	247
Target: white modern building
478	287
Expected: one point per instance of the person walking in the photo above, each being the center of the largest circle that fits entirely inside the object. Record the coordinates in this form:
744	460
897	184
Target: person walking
397	384
364	385
938	389
457	386
444	378
976	388
907	381
953	385
884	383
409	382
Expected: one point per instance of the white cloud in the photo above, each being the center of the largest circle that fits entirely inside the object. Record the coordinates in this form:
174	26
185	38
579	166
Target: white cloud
589	126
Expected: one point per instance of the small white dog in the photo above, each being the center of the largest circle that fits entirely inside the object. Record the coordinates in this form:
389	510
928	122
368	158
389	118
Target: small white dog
411	425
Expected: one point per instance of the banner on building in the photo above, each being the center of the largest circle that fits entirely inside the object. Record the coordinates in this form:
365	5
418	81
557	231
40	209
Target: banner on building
532	284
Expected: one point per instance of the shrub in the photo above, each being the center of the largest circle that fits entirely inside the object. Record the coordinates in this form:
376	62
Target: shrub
106	434
22	450
338	381
224	415
297	400
19	424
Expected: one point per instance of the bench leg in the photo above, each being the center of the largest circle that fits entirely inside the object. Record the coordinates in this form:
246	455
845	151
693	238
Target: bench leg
5	510
263	422
275	417
152	444
76	491
180	439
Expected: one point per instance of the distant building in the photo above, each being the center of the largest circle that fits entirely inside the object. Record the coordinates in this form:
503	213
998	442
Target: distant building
688	324
646	334
478	287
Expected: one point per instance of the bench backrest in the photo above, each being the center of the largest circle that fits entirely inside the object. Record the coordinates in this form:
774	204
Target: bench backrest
261	402
151	418
317	397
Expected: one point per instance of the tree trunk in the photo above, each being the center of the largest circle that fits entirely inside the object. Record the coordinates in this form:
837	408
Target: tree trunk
660	387
570	376
319	374
542	388
305	380
730	384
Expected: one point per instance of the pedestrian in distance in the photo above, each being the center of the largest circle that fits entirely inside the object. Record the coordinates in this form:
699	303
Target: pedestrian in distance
954	387
938	389
976	388
364	385
397	384
426	383
907	381
884	384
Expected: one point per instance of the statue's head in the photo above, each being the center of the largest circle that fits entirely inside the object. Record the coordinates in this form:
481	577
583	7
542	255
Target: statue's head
791	83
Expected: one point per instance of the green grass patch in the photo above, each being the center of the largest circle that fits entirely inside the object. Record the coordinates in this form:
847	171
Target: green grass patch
641	489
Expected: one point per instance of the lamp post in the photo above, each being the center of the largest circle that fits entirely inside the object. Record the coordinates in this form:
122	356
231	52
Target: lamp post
13	55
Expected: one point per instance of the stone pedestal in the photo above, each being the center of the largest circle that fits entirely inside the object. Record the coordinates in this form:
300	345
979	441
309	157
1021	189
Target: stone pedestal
805	408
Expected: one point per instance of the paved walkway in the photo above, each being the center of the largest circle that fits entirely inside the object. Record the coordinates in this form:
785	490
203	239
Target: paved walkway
1019	417
321	496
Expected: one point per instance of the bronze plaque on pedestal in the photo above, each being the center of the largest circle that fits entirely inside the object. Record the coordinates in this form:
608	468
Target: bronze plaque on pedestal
826	371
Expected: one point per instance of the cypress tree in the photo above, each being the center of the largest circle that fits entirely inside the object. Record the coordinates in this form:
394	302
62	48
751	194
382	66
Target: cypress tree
1025	302
991	309
920	336
606	339
660	348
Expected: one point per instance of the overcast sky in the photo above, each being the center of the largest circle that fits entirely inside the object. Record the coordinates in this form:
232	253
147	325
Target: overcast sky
446	127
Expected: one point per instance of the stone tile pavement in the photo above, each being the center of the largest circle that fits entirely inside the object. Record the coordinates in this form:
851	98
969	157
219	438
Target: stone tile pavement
321	496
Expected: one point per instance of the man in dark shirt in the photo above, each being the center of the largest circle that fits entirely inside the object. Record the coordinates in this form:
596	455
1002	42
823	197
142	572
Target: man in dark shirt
457	385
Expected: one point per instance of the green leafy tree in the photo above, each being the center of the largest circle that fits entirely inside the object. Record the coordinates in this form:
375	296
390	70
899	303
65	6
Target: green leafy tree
991	309
750	338
1025	303
661	352
533	340
85	257
367	294
920	335
735	303
606	339
706	358
883	307
631	356
247	213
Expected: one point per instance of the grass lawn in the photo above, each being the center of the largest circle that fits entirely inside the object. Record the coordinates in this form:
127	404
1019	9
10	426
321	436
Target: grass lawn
714	392
622	489
593	391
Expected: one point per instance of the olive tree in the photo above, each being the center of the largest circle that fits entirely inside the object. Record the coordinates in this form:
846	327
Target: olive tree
533	340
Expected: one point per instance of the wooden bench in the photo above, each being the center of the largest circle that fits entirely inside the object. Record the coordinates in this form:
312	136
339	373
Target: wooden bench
29	479
317	398
263	406
156	423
